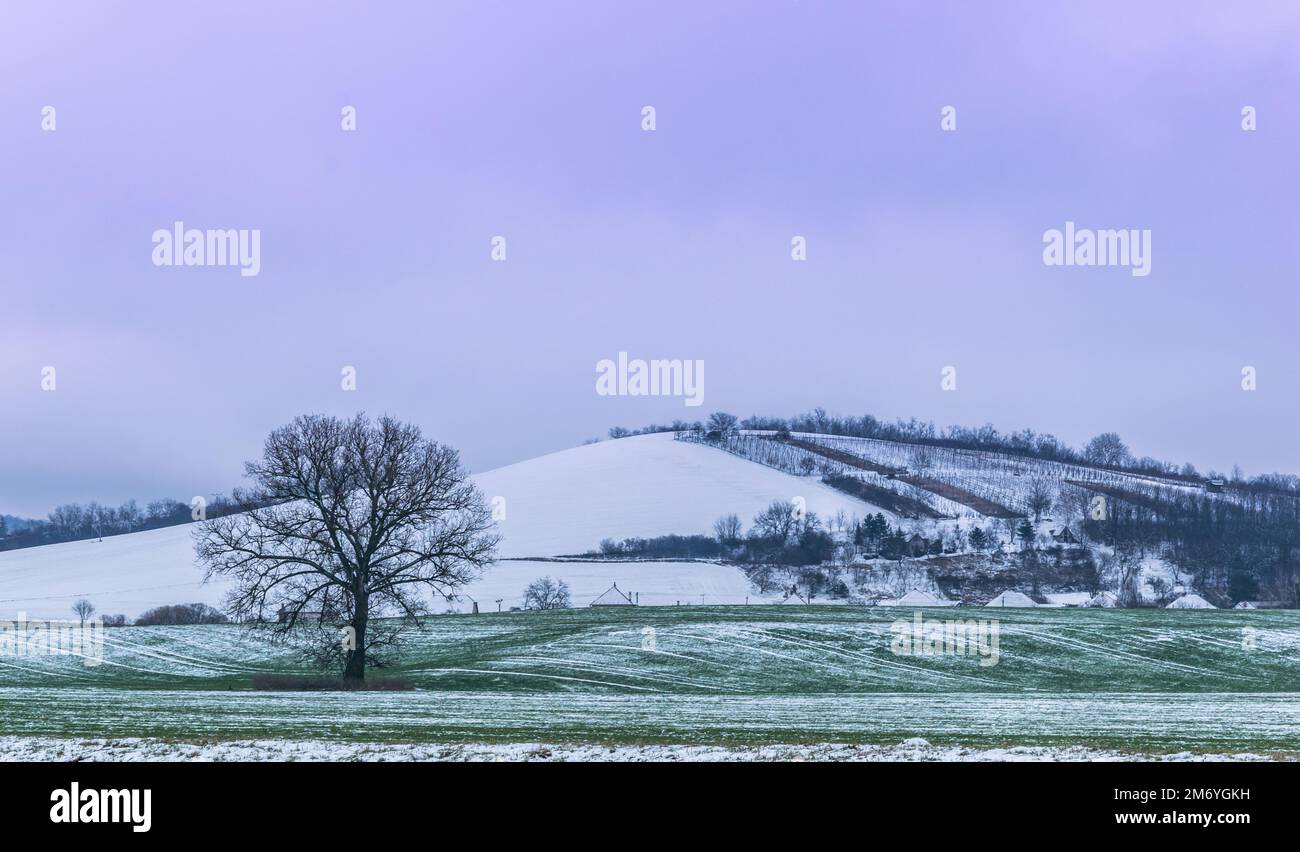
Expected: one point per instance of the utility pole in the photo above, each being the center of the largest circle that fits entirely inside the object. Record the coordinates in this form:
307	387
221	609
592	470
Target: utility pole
499	600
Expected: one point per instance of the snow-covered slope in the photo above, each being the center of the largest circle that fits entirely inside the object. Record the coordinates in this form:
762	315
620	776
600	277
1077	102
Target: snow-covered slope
562	503
124	574
648	485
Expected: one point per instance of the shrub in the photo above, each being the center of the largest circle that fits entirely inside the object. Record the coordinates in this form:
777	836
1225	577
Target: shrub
308	683
663	547
546	593
195	613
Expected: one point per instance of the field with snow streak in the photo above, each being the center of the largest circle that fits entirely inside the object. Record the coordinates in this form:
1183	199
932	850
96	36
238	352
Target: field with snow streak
136	749
707	675
1204	722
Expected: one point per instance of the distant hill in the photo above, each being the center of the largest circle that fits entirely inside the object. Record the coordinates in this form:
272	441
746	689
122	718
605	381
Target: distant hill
553	505
1233	539
899	514
13	524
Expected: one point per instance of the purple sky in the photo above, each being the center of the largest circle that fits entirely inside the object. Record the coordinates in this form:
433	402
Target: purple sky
524	119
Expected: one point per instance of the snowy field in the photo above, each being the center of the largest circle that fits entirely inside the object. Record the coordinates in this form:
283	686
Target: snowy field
1213	723
737	650
1121	681
559	504
137	750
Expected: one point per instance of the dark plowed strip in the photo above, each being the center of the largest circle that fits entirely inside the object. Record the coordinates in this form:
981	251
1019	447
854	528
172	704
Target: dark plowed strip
838	455
1132	497
890	501
960	495
943	489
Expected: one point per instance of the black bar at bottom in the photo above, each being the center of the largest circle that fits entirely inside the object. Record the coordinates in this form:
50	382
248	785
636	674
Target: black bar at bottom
323	802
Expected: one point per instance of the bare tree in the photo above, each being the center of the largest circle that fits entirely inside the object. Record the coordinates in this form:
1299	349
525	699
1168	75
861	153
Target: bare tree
776	523
84	610
545	593
1107	449
727	529
722	423
1071	509
97	517
1040	497
1122	570
763	576
350	520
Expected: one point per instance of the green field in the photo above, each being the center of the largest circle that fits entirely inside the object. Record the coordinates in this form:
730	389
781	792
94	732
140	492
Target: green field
1145	680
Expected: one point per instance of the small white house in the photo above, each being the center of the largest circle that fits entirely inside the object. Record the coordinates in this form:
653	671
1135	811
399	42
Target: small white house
613	597
1012	598
1191	601
1104	600
918	598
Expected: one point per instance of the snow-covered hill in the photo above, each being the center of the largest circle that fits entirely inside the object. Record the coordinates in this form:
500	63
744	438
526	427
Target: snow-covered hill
648	485
124	574
562	503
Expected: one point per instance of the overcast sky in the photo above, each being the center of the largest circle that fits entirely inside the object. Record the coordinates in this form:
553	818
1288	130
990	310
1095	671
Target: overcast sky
521	119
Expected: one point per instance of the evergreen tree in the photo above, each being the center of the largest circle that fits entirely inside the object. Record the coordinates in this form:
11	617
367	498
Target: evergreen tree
1025	532
893	545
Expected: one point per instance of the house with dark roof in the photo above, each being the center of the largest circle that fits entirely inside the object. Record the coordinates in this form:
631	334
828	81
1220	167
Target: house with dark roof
1064	536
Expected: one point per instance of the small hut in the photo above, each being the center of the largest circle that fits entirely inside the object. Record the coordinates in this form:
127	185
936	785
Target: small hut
1064	536
917	545
1012	598
793	597
613	597
918	598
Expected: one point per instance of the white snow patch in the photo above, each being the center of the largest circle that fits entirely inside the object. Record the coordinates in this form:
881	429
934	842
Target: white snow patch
1191	601
648	485
918	597
915	749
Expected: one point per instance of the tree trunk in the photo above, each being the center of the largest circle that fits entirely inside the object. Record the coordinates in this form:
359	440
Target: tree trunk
355	669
